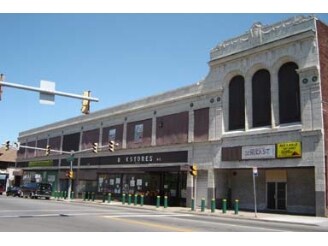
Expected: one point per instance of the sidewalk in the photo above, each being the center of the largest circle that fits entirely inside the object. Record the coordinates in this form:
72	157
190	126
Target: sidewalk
287	218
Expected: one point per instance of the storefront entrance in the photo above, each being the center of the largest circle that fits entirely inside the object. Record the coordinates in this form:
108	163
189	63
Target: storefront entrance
150	184
276	195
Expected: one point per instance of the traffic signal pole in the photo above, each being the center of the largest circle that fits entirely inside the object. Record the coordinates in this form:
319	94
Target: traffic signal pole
37	89
70	178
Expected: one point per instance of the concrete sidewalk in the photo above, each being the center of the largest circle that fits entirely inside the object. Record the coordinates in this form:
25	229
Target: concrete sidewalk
287	218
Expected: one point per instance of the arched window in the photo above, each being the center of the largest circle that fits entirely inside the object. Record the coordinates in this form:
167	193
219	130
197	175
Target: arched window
261	91
289	94
237	103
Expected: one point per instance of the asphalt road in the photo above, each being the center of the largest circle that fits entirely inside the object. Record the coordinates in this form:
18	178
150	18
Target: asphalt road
29	215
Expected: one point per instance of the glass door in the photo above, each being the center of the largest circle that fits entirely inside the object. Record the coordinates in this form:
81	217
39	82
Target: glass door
276	195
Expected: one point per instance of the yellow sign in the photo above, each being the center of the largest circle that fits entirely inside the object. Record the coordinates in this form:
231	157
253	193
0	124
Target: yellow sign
47	163
289	150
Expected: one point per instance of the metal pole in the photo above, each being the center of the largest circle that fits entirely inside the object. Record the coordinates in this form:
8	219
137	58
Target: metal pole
254	186
70	179
37	89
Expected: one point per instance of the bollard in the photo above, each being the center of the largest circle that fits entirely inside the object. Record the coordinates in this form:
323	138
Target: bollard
89	196
165	201
65	195
129	199
158	201
203	204
192	204
84	196
224	206
236	206
109	197
213	205
123	198
104	197
141	200
93	196
135	199
72	195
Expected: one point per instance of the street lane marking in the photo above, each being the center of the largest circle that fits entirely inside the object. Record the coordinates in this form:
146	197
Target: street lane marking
149	224
147	215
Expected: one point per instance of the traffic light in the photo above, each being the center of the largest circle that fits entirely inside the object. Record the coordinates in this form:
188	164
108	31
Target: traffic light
86	103
95	148
48	149
7	145
111	146
193	170
71	174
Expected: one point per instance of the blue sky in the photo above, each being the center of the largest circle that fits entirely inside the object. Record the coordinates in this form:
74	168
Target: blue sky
119	57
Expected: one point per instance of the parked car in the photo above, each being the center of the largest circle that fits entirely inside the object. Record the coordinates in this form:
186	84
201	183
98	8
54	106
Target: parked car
2	188
13	191
36	190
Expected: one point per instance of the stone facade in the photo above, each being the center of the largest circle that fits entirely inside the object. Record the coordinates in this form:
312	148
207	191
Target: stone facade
301	183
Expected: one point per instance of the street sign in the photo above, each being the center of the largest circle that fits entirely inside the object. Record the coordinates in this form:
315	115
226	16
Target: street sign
47	98
255	173
70	158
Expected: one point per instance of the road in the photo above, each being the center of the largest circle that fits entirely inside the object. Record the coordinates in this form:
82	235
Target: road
29	215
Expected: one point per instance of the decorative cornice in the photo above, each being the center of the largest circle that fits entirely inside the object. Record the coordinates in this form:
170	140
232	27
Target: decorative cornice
261	34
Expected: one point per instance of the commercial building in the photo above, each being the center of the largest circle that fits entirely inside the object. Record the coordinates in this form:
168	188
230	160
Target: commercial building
263	104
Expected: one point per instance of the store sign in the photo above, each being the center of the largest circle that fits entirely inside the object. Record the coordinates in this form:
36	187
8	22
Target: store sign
258	152
289	150
166	157
146	158
47	163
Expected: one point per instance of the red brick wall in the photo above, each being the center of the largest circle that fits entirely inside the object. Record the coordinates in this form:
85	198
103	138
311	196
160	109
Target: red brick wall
172	129
145	139
323	56
118	137
201	125
90	137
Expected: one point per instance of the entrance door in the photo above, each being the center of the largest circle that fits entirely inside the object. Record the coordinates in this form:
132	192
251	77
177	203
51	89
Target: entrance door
276	195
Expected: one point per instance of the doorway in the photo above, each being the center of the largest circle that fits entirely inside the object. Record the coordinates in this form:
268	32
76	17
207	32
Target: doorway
276	195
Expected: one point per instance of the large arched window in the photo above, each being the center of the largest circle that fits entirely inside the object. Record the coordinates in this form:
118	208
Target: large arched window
261	92
237	103
289	94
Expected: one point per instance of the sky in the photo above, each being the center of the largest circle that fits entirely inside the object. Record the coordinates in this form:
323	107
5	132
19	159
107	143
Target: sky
118	57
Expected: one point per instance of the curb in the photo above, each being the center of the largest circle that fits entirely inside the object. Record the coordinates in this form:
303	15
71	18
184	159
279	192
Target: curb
185	211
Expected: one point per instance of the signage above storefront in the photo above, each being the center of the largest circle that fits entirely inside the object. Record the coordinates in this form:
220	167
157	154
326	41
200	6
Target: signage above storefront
289	150
258	152
147	158
47	163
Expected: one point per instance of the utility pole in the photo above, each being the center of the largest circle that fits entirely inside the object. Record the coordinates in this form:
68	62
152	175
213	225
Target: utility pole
255	174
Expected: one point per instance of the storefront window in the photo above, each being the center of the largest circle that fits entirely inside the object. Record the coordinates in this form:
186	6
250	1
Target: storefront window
109	183
112	135
138	133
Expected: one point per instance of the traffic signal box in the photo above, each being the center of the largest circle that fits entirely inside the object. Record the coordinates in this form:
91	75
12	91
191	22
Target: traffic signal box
69	174
48	149
95	148
193	170
86	103
111	146
7	145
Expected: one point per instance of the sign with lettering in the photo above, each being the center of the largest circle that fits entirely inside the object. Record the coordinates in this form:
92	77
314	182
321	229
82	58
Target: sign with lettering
146	158
47	163
289	150
258	152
